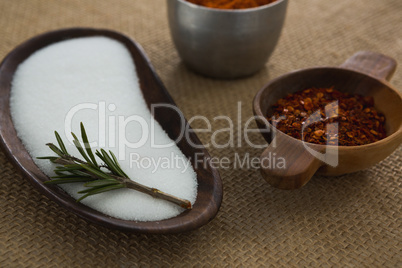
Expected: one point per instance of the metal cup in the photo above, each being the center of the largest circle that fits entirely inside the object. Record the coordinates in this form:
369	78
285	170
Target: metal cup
225	43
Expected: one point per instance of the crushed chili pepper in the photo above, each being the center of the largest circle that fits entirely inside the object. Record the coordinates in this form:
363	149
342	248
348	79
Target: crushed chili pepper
231	4
310	115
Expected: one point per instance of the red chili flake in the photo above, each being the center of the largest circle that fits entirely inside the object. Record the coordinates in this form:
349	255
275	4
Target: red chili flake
319	133
358	121
350	134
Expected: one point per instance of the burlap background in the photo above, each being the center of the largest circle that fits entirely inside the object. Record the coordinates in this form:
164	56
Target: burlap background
352	220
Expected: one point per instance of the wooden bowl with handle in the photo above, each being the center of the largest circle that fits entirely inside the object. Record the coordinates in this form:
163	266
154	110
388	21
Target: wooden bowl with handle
365	73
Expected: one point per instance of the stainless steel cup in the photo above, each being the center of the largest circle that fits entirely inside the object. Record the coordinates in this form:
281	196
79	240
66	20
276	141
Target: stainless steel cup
225	43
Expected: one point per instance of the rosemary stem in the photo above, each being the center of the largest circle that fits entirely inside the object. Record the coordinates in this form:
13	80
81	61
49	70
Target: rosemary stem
157	193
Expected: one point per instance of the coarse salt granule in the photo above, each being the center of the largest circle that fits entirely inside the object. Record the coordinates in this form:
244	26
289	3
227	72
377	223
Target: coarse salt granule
93	80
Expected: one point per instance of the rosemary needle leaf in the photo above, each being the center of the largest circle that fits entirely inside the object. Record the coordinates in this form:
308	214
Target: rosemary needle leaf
55	149
92	189
51	158
66	176
118	165
69	168
86	145
59	173
100	156
66	180
98	183
80	149
110	163
97	172
61	143
79	173
101	190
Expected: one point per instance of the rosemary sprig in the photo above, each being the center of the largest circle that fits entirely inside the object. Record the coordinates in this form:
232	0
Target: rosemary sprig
94	176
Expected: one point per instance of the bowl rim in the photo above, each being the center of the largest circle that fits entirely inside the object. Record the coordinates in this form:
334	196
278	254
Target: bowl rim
258	112
244	10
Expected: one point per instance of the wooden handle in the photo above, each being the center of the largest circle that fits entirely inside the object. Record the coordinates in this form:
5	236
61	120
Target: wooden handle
299	165
371	63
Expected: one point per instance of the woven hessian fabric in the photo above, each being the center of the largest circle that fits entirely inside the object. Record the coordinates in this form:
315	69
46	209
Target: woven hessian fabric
346	221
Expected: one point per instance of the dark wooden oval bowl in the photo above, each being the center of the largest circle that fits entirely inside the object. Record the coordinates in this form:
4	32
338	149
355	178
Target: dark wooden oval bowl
209	196
365	73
